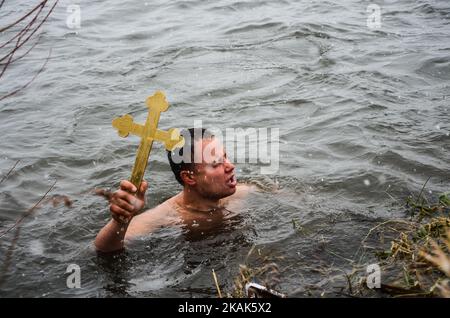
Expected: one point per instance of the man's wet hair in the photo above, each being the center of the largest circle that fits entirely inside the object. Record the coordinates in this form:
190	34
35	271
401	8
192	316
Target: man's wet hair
190	135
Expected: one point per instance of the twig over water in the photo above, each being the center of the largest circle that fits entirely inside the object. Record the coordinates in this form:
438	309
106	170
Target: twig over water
29	212
9	172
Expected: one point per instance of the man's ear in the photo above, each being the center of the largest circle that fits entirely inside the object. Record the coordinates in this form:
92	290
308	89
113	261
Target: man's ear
188	177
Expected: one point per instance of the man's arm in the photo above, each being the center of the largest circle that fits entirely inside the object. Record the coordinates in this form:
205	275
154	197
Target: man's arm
124	206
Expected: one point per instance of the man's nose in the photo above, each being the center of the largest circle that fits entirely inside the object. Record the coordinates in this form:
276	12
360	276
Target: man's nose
229	167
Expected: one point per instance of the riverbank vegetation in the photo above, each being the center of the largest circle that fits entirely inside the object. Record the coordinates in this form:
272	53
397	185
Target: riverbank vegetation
412	255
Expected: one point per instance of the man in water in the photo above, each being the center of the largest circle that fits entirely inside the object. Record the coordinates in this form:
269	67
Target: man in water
209	189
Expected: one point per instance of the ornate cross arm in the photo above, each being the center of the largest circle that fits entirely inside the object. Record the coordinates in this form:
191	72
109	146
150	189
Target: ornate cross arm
148	133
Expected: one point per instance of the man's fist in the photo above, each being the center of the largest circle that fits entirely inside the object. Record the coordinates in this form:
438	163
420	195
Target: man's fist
127	201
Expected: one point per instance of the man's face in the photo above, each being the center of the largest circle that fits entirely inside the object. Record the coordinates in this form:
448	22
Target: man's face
215	175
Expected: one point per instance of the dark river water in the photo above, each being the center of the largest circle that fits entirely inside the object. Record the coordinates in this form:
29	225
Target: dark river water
363	116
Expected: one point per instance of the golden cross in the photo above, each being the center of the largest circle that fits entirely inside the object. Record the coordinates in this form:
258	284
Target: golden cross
148	133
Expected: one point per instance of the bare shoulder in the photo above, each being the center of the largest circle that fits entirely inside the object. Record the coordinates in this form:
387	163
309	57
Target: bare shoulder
244	189
152	219
242	192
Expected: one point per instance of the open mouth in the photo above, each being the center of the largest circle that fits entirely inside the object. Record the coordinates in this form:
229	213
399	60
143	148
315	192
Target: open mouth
231	182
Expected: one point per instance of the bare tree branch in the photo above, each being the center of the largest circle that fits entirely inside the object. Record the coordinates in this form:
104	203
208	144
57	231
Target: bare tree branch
27	213
20	44
22	37
39	6
9	172
30	81
26	53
